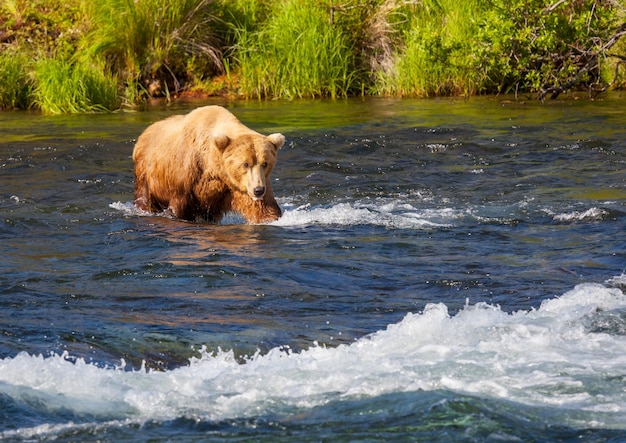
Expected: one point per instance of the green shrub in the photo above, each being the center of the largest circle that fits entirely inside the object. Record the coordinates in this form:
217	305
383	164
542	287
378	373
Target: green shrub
543	46
475	46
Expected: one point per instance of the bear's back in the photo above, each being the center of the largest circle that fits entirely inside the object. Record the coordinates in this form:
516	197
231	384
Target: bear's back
217	120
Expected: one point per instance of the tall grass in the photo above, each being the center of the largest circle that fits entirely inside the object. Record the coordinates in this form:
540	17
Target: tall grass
65	87
240	15
298	53
15	84
154	43
435	54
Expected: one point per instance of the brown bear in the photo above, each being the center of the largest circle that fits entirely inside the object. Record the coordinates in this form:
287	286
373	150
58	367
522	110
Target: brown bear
204	164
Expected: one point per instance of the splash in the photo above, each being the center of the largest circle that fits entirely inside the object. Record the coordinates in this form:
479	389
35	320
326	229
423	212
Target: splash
591	214
394	214
391	215
404	212
129	209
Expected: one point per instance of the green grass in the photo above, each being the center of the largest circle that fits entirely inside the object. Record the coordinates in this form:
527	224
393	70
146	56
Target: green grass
297	54
63	87
438	51
154	43
15	84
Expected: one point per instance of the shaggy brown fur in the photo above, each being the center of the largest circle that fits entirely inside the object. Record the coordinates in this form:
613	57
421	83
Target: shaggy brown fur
204	164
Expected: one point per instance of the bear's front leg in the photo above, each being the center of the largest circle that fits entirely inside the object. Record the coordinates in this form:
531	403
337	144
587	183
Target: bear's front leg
264	211
214	199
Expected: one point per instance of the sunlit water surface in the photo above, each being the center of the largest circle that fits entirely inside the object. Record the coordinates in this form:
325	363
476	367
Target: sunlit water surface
445	270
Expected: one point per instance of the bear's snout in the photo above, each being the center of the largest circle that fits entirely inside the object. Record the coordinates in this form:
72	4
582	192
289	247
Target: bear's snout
259	191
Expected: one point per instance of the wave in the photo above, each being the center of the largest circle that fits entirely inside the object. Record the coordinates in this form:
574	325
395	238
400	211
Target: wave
129	209
569	354
394	213
403	212
591	214
391	214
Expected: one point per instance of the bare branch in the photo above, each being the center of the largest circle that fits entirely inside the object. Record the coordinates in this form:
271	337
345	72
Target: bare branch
551	8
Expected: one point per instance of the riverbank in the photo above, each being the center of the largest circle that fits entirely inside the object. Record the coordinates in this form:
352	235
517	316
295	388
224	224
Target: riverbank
79	56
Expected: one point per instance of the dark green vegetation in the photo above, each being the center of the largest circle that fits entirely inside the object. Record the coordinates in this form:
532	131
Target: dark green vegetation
91	55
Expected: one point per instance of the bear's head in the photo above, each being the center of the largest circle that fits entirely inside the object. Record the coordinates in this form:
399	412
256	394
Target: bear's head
248	160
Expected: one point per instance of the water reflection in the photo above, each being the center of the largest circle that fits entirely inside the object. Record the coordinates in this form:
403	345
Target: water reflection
195	244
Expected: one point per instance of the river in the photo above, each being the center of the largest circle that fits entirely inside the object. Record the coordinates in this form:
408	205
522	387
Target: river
445	270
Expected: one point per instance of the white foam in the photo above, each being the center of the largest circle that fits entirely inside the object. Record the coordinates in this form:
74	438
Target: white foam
618	281
545	357
407	211
391	214
129	209
591	214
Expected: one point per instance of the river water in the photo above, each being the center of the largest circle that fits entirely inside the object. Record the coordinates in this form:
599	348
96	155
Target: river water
445	270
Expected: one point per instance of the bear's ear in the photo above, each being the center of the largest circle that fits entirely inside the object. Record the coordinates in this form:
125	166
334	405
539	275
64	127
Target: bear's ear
278	140
221	141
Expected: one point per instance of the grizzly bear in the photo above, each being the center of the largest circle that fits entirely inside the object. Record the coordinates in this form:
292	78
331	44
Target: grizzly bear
204	164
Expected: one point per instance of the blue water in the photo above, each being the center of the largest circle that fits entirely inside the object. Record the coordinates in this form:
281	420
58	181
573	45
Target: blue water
444	270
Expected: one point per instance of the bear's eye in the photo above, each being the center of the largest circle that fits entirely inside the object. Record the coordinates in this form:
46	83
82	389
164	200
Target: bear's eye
246	165
264	165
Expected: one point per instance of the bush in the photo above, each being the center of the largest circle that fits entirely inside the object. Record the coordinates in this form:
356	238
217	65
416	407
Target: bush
539	46
543	46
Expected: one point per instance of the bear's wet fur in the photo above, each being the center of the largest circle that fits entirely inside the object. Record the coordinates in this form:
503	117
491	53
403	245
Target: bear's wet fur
204	164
